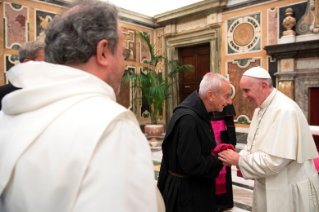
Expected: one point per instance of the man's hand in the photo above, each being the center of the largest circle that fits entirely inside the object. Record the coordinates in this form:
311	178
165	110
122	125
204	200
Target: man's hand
229	157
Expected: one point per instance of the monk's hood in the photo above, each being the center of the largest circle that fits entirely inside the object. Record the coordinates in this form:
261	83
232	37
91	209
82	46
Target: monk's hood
44	83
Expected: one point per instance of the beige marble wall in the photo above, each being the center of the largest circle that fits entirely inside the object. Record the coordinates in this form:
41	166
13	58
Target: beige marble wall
28	8
135	49
268	36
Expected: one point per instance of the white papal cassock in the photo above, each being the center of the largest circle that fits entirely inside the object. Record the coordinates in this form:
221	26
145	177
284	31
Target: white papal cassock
278	155
66	145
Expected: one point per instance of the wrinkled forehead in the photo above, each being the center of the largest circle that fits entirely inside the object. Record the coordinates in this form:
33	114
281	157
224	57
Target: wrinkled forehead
246	81
226	87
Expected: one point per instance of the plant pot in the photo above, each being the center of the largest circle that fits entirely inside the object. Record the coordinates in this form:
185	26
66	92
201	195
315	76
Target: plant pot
154	130
154	135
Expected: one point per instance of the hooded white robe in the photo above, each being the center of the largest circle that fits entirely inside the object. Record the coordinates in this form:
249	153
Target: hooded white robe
278	155
66	145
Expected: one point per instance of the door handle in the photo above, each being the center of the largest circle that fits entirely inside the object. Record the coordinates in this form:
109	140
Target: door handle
187	86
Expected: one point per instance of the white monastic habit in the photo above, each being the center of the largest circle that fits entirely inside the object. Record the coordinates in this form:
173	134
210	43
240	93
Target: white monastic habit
66	145
278	155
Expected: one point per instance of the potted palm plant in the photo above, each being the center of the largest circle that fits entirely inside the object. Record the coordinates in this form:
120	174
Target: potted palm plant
153	87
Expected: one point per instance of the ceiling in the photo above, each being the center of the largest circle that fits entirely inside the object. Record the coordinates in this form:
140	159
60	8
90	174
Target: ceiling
155	7
152	7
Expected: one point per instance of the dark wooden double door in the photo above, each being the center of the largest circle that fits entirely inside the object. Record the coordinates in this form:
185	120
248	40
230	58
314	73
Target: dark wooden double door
199	57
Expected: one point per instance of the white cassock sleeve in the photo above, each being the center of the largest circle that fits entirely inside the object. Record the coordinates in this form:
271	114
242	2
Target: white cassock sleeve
260	164
120	176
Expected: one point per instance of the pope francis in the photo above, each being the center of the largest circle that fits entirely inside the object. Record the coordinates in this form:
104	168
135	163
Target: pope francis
279	150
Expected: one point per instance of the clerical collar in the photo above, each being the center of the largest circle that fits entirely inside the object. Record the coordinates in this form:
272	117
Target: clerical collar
268	99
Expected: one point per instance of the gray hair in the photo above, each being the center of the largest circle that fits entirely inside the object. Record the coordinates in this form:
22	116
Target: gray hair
72	37
268	81
29	50
211	82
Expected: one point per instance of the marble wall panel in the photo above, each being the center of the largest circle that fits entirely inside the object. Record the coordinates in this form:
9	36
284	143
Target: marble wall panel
287	65
16	25
130	41
307	63
244	34
144	109
127	95
272	69
272	26
42	20
9	62
144	50
191	25
234	72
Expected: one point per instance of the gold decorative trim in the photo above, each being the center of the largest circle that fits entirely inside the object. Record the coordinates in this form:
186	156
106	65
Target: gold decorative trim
287	88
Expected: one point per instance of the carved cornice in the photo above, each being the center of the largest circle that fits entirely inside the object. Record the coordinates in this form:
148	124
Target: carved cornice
190	12
195	37
294	50
134	17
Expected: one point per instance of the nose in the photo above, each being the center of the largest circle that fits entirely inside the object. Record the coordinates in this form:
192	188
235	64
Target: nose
245	95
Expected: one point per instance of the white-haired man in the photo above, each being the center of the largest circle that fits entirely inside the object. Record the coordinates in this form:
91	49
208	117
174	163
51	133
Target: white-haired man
188	169
279	150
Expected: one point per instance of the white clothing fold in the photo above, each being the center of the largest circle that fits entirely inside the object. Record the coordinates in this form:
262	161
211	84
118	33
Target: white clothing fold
278	155
66	145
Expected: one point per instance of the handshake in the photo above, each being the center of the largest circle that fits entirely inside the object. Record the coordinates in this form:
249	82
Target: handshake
226	153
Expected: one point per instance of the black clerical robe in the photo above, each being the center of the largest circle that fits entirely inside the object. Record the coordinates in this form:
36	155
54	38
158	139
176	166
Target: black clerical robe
6	89
228	136
187	152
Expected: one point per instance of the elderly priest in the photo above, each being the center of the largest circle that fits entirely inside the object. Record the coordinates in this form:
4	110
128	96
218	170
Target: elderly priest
279	149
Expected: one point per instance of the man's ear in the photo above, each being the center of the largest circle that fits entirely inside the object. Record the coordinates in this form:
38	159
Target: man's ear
103	52
210	95
264	85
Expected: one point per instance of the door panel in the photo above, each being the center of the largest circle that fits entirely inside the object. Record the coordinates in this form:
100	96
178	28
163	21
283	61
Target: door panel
199	57
202	66
189	76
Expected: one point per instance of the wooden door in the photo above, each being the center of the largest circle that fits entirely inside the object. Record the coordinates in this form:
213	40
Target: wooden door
313	110
199	57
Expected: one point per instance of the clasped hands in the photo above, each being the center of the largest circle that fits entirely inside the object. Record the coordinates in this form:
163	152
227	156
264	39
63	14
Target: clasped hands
229	157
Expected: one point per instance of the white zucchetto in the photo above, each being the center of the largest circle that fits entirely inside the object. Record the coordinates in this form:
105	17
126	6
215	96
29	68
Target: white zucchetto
257	72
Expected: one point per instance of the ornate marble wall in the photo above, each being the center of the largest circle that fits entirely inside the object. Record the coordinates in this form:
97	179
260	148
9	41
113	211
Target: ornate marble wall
248	30
136	53
234	72
244	34
297	53
26	20
22	21
237	38
16	25
42	20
